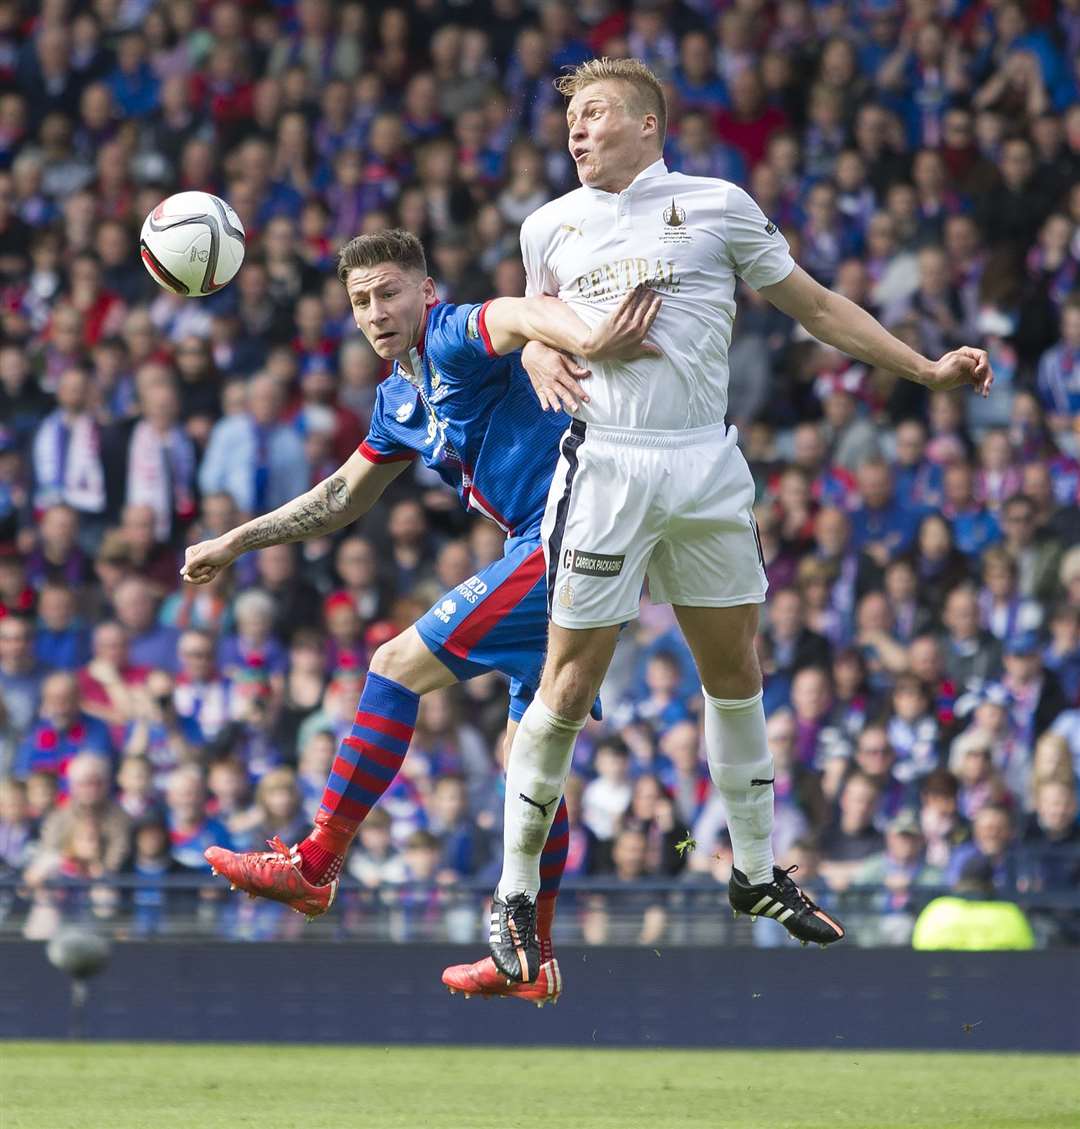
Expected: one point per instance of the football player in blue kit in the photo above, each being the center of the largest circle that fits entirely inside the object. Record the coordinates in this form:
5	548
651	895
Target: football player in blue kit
459	399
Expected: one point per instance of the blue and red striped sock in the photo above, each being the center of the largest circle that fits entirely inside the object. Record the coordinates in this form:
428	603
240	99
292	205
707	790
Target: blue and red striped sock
552	865
367	761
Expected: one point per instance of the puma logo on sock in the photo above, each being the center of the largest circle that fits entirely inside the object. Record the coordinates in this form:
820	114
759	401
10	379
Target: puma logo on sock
756	781
543	807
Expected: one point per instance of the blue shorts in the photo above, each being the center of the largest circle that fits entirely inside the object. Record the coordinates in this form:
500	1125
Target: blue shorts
496	620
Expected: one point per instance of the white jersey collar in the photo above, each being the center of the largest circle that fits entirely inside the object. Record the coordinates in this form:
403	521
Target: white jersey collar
649	172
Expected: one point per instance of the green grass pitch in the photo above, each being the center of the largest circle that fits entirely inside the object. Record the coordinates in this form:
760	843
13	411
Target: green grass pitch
157	1086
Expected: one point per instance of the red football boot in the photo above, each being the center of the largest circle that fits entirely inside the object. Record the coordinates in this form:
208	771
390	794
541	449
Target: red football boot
273	874
483	979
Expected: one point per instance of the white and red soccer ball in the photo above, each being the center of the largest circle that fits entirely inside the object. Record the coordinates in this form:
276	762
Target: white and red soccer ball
192	244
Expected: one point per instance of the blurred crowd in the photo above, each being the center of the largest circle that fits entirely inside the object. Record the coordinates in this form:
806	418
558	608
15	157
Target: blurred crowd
921	644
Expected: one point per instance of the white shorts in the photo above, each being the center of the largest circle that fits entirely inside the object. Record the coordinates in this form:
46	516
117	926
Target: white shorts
673	506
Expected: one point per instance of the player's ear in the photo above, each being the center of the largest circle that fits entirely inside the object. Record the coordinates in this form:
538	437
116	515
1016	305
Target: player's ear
429	290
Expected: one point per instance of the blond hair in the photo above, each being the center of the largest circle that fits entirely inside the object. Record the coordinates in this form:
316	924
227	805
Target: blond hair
647	95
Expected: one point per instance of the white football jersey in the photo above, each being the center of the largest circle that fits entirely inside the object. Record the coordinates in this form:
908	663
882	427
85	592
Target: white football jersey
687	237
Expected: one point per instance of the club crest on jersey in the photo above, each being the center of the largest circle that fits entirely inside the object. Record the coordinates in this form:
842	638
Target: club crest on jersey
566	596
674	216
675	229
439	391
770	228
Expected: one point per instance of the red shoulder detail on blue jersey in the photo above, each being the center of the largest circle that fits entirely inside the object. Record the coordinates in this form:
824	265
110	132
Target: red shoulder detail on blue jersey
456	337
375	456
386	440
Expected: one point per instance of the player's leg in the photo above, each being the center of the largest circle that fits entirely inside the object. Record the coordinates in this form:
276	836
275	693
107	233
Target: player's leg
482	977
401	671
556	845
504	627
596	544
722	642
536	774
304	877
709	568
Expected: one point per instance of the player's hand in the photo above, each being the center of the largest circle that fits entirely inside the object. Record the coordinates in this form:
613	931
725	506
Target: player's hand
555	377
621	335
960	368
202	562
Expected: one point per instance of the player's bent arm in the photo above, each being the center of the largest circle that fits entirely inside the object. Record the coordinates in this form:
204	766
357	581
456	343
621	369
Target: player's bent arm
511	322
839	322
332	504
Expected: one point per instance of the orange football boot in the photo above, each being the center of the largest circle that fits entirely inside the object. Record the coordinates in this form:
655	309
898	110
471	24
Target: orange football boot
483	979
273	874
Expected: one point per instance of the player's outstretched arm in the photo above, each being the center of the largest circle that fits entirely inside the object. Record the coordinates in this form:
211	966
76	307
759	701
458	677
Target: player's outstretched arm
511	322
335	502
837	321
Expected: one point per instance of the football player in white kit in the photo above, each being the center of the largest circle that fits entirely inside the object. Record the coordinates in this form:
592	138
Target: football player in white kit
651	483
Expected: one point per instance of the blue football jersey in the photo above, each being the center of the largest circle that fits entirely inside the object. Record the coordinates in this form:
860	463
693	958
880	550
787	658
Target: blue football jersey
473	417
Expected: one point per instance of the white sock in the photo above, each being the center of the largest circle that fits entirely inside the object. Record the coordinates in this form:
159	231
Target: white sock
539	765
738	753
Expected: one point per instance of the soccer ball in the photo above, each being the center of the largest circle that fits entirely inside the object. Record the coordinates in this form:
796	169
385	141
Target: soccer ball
192	244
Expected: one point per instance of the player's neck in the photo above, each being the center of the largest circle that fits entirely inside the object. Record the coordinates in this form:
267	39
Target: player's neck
404	360
620	180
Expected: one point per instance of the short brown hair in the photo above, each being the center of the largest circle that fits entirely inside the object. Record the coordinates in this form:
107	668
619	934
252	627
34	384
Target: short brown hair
648	95
395	245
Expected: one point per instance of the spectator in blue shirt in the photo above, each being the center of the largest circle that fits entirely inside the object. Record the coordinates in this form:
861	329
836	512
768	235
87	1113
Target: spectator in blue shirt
63	642
254	456
133	83
695	152
1062	654
149	644
696	82
1059	371
21	675
917	482
60	731
191	830
881	527
991	841
974	527
558	21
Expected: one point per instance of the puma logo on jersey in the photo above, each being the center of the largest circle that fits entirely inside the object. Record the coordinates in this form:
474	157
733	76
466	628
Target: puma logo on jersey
573	230
543	807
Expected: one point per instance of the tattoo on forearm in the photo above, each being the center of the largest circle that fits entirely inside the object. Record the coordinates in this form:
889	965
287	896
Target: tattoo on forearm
310	515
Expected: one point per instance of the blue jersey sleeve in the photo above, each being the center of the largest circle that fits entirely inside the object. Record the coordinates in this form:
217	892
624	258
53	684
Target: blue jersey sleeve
459	340
380	446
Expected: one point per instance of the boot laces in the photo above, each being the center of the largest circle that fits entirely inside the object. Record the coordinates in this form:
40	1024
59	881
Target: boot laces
789	886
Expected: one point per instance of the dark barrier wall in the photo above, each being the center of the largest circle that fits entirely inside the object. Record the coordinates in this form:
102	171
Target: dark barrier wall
614	997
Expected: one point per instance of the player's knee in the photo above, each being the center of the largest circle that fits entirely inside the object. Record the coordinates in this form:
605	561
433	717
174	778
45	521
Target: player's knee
735	672
568	692
392	659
